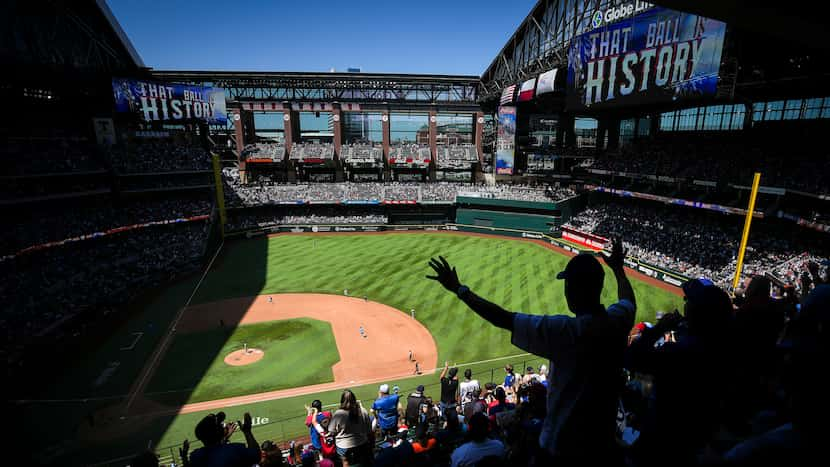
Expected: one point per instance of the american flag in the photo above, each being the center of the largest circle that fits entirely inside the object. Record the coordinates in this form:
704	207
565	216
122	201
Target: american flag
507	94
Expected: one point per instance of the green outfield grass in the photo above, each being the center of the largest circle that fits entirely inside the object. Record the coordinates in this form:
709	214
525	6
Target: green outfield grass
289	360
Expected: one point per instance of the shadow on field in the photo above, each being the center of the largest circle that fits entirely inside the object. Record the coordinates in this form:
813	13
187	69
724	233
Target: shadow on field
125	393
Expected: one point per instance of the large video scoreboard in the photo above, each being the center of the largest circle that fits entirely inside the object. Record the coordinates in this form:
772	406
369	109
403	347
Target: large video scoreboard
638	53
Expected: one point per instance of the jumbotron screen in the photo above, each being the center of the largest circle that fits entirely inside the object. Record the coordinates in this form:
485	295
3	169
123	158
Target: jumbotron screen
658	55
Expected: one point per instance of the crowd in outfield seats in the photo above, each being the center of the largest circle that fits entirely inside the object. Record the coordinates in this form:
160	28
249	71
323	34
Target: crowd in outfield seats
152	156
61	290
724	382
695	244
255	194
273	151
56	224
460	156
32	156
301	151
784	163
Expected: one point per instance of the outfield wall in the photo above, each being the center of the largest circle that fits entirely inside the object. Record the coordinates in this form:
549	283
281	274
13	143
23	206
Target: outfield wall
669	277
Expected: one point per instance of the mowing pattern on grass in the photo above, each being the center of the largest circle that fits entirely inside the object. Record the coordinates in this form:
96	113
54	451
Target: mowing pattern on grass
196	360
390	269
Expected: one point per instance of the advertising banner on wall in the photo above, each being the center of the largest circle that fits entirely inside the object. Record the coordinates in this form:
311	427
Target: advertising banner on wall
157	101
659	55
547	82
506	140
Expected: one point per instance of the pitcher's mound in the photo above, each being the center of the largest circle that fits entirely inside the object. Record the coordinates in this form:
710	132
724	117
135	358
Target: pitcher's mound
241	357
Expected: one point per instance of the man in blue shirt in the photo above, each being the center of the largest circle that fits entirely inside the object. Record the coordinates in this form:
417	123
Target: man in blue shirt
586	353
385	410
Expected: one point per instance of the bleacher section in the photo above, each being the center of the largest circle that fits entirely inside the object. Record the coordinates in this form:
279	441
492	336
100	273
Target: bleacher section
362	155
410	154
264	152
461	156
312	153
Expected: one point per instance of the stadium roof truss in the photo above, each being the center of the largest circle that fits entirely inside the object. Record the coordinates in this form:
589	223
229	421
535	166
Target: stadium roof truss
540	43
335	87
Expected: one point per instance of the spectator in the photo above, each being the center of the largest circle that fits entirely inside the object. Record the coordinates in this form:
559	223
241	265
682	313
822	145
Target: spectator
386	409
586	353
477	404
500	404
449	388
413	406
467	387
687	407
400	452
315	415
352	430
220	454
509	380
479	446
424	442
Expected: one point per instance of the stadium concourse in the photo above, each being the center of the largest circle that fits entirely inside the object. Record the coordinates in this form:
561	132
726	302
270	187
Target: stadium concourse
150	213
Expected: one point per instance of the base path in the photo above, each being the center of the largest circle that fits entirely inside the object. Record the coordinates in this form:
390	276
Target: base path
384	352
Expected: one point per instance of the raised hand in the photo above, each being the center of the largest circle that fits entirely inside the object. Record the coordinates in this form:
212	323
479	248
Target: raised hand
183	452
246	424
615	260
444	274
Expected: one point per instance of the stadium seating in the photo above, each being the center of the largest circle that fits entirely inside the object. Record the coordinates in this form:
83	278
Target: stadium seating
461	156
312	152
414	154
263	152
362	154
152	156
700	244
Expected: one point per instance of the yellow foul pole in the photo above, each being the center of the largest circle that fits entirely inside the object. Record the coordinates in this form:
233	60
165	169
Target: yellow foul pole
749	211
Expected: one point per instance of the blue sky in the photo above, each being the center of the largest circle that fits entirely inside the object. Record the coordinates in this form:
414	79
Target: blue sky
429	36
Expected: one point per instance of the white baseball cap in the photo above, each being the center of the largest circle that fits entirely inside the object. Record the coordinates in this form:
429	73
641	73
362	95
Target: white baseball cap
384	388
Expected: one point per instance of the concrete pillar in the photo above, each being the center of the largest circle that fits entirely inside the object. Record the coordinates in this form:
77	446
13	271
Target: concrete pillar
612	126
433	132
288	128
478	134
655	125
384	119
238	133
337	130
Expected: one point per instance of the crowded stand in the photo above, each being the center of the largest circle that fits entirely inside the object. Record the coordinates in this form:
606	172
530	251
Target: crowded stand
158	156
52	291
695	243
37	156
796	165
273	152
265	192
56	224
410	154
312	152
461	156
361	154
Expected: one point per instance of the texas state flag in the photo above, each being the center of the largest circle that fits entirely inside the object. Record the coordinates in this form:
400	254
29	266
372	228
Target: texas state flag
526	91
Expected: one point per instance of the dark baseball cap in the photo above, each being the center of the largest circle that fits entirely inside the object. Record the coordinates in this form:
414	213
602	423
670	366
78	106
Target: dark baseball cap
705	295
583	269
420	388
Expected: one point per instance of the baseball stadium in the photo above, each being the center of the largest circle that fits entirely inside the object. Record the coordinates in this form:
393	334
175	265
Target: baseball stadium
610	247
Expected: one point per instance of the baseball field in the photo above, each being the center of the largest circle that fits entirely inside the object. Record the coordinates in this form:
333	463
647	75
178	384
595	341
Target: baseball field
277	322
